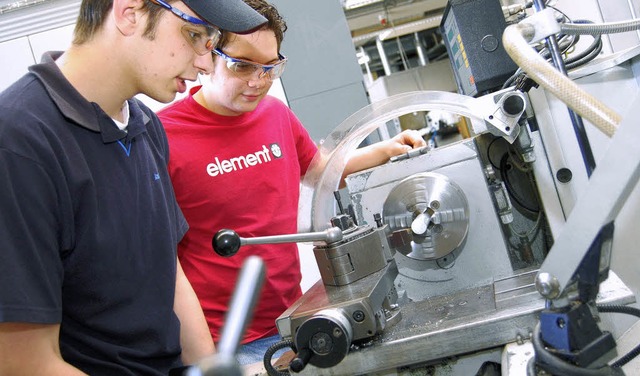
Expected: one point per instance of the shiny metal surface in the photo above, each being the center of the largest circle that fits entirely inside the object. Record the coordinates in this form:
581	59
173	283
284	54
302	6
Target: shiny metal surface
321	180
472	299
330	235
364	302
602	63
436	211
599	204
242	304
503	121
547	285
363	251
328	335
457	324
483	255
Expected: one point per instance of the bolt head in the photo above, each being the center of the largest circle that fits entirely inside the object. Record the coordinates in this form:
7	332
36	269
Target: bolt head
547	285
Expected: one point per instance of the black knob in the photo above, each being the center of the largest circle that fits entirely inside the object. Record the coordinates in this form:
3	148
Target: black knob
300	361
226	242
513	105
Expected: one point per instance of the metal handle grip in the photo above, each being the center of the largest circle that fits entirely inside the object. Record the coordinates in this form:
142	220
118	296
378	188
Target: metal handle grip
227	242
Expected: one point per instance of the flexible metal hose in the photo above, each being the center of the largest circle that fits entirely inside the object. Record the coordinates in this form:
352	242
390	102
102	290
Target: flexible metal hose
603	28
583	103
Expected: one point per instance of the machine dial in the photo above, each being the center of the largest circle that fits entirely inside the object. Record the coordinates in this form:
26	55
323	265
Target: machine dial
327	335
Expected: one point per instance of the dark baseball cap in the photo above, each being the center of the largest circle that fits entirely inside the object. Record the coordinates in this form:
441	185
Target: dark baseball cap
231	15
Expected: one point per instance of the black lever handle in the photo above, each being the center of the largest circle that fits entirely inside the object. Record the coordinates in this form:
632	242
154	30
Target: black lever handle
227	242
301	360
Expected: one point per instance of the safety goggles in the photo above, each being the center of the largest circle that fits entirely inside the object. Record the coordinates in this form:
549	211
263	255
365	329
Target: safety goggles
201	41
248	70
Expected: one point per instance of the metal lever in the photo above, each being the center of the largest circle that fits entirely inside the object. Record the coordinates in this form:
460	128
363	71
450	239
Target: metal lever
227	242
241	308
300	361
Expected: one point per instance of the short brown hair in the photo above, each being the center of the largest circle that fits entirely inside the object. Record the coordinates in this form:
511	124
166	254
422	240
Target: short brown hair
275	22
93	13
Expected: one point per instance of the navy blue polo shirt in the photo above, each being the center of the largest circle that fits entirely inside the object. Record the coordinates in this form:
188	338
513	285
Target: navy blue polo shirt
89	226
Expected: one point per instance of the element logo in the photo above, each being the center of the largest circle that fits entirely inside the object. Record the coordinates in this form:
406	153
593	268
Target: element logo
220	167
276	151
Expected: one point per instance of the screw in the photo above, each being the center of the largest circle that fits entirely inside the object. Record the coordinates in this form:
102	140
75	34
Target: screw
547	285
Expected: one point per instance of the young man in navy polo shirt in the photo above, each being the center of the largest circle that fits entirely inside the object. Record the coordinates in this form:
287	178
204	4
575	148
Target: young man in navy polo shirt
89	279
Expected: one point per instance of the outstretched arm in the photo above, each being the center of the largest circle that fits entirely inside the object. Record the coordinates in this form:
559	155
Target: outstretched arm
380	152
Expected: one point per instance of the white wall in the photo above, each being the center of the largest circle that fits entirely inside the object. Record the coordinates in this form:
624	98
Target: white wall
15	56
18	54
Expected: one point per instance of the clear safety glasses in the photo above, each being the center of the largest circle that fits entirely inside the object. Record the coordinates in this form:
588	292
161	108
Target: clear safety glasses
247	70
200	35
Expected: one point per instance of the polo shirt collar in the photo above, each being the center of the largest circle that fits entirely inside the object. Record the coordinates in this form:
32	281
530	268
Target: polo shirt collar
77	109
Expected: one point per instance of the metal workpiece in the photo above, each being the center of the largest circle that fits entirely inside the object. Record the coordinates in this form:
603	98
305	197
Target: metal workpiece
423	222
364	250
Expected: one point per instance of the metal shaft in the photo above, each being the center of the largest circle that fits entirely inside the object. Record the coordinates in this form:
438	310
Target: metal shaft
329	235
242	304
576	120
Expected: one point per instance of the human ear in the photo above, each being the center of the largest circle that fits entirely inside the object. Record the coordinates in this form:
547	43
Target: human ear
127	15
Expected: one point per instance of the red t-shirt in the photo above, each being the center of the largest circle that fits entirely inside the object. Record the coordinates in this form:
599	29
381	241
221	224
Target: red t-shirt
242	173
